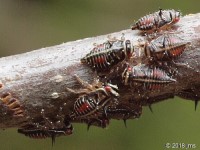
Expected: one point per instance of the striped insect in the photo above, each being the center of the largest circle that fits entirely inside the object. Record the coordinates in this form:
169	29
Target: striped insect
92	105
108	54
100	121
165	47
124	112
92	100
42	133
149	78
157	21
12	104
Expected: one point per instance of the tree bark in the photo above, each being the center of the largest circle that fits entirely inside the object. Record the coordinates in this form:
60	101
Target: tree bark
38	79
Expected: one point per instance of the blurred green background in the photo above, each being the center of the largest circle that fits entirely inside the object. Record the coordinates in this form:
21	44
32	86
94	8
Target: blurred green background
26	25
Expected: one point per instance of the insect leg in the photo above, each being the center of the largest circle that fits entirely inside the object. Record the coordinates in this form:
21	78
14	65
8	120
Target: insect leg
84	83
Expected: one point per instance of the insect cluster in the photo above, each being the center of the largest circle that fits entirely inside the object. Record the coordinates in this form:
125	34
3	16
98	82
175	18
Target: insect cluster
117	57
100	101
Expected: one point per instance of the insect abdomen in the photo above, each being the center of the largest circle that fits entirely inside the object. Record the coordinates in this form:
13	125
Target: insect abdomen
35	134
165	47
102	58
156	21
42	134
151	78
145	23
84	105
123	112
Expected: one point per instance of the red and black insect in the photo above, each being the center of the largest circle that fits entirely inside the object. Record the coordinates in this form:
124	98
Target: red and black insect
150	78
42	133
85	106
92	105
92	100
108	54
165	47
157	21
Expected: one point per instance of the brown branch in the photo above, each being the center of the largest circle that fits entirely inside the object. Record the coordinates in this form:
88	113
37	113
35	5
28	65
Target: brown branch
38	79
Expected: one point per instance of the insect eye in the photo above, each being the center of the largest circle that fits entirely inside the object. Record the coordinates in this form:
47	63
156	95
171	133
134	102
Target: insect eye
108	88
177	17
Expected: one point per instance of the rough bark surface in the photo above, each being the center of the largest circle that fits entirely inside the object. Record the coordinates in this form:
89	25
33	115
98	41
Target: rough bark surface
38	79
